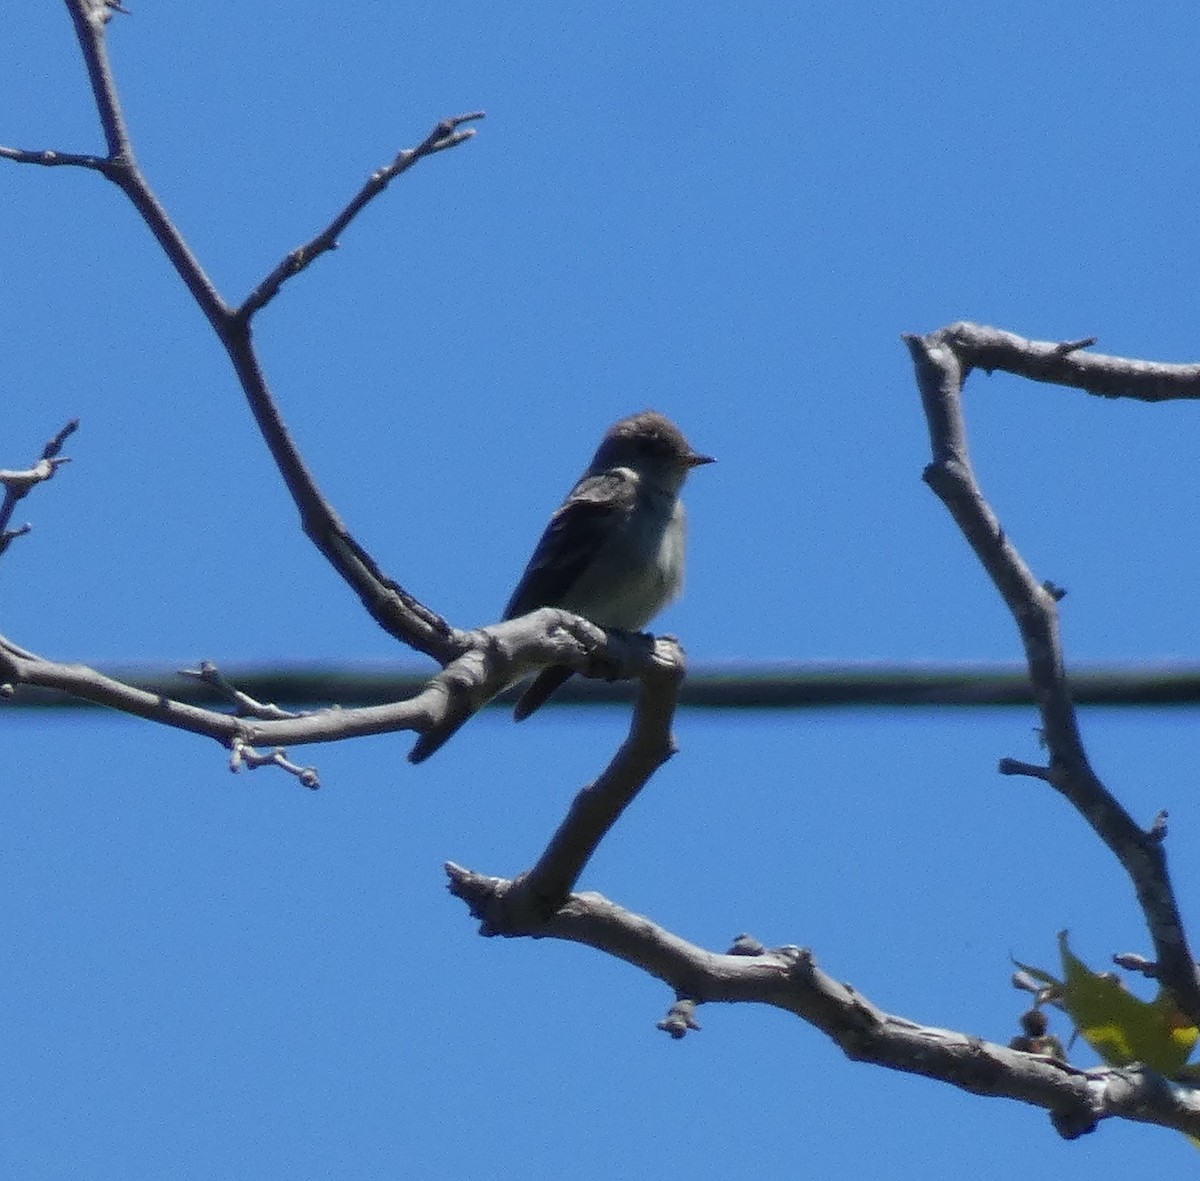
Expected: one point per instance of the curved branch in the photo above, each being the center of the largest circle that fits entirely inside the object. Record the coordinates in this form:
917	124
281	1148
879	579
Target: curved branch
941	370
393	608
788	978
399	613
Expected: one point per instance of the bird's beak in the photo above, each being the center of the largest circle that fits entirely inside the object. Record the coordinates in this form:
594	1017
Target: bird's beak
699	460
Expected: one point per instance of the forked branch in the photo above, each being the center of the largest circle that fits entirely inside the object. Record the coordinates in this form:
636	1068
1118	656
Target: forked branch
789	979
943	361
493	658
18	484
398	612
976	346
476	665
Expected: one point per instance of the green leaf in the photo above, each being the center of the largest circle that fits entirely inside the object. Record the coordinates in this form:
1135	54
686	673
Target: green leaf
1119	1026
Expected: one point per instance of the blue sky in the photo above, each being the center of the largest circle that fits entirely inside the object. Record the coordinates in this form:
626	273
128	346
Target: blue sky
731	215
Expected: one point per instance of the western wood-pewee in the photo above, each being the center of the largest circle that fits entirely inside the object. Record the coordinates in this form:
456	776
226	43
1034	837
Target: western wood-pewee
614	550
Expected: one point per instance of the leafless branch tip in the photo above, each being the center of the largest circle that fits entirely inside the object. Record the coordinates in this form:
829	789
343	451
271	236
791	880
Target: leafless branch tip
447	133
18	484
243	755
246	706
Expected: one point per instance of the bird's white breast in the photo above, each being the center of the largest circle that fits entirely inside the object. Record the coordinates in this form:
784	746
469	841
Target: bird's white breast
639	570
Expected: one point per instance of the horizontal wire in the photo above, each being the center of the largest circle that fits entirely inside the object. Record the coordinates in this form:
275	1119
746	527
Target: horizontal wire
726	687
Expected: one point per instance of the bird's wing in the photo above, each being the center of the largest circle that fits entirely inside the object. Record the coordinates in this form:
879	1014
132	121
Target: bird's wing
579	528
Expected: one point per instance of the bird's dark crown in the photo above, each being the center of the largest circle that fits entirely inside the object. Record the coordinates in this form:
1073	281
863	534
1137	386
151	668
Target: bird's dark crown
651	434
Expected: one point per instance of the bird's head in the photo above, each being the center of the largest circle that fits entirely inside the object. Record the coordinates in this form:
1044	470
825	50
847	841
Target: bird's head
650	444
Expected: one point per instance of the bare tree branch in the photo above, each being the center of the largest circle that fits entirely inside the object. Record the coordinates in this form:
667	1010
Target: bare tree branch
246	756
245	705
398	612
978	347
472	673
445	135
493	658
788	978
599	806
51	159
18	484
941	371
479	664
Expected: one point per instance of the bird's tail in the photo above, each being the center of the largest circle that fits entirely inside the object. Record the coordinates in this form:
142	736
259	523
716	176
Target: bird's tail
544	685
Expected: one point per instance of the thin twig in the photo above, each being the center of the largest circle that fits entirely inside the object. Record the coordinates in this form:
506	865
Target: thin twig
1031	770
18	484
247	706
246	756
444	135
51	159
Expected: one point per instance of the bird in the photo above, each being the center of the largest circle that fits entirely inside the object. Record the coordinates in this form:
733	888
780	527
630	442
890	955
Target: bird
613	551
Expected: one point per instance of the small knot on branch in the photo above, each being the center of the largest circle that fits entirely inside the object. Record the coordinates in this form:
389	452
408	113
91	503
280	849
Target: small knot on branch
746	945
